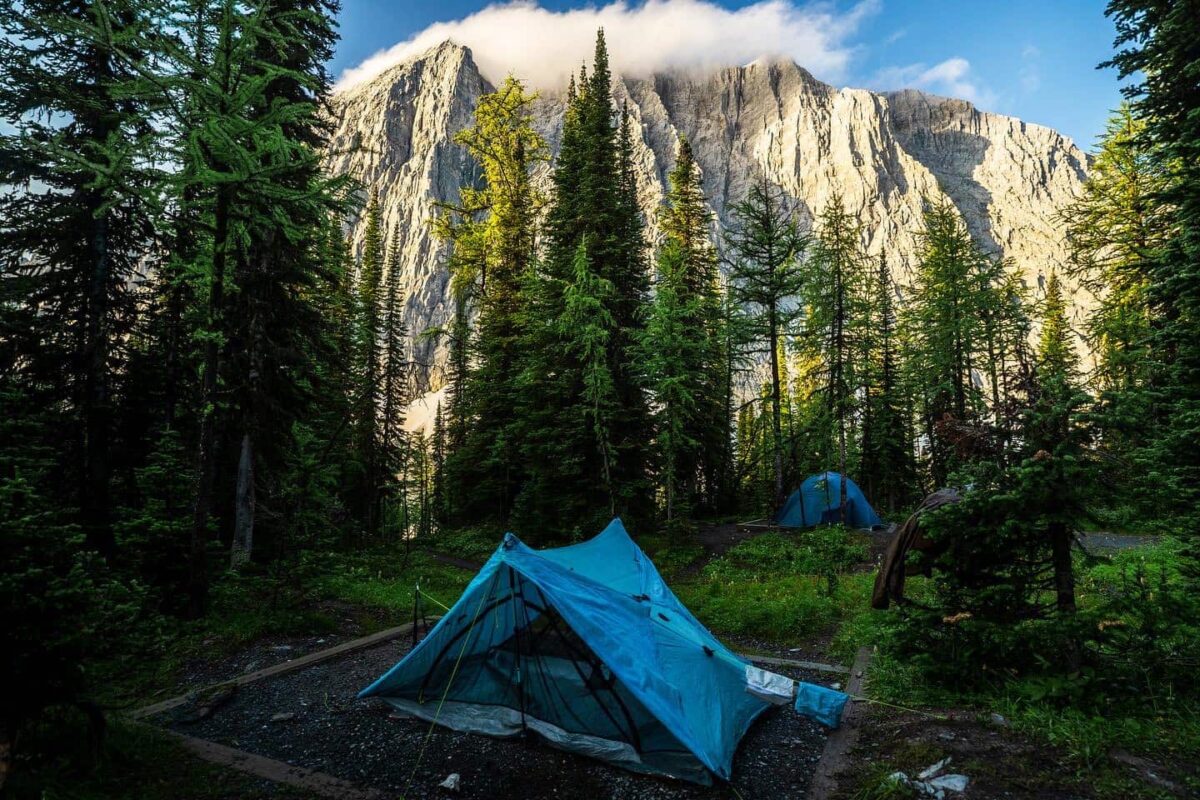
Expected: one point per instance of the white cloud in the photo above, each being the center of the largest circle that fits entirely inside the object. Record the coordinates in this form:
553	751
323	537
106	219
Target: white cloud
543	47
896	36
951	77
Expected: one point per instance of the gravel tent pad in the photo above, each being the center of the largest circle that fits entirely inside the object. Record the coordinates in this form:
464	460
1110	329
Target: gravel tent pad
311	718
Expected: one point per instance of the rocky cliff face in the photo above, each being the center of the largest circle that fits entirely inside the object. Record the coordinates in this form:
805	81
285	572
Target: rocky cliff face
882	153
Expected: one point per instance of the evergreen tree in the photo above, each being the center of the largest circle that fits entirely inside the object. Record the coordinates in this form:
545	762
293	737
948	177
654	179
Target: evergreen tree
835	301
887	471
586	326
1160	48
766	274
690	269
493	230
369	362
1056	354
672	352
394	390
593	202
76	220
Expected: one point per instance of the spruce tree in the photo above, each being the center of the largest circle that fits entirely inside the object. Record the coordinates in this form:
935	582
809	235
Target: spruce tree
766	274
493	230
887	472
692	272
835	301
369	362
76	221
1160	49
592	201
394	389
672	352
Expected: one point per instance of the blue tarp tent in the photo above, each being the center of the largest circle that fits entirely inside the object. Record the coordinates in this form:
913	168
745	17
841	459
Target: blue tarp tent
586	646
818	500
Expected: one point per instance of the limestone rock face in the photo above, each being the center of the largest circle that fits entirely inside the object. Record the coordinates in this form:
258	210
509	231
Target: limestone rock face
883	154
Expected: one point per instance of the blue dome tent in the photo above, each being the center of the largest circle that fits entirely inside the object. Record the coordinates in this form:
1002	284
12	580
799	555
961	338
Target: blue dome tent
587	647
818	499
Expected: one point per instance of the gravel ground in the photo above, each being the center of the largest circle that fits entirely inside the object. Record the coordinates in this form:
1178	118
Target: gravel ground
1115	541
362	741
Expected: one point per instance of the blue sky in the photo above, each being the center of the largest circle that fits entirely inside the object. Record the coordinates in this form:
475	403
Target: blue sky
1034	59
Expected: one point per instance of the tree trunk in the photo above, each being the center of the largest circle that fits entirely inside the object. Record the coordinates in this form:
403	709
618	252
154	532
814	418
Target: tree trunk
243	527
206	452
776	416
1064	585
96	522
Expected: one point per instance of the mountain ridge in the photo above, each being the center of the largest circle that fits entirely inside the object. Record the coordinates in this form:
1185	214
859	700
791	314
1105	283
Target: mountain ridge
883	153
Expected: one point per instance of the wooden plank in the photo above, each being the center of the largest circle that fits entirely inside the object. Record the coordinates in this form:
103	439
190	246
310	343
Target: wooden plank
318	783
282	668
815	666
837	747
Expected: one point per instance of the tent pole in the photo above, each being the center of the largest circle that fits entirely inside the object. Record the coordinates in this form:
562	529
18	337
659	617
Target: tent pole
519	589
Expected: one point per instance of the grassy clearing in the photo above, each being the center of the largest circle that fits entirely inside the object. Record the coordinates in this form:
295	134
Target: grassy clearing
385	584
780	588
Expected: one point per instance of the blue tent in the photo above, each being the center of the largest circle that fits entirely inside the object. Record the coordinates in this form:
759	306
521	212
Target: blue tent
818	500
586	646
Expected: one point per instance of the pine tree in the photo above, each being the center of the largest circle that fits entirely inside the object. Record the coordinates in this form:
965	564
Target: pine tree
493	230
1160	49
78	217
592	201
835	300
887	471
369	362
766	273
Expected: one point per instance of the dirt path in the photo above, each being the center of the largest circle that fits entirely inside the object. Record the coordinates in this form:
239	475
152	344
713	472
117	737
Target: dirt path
1103	540
716	540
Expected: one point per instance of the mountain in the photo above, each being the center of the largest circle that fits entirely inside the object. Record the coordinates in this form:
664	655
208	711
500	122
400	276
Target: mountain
884	153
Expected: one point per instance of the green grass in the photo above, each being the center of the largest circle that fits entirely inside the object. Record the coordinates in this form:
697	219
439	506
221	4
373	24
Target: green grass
476	544
781	588
387	585
1151	720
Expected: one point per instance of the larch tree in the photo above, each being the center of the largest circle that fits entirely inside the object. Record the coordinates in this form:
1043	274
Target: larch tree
493	230
943	330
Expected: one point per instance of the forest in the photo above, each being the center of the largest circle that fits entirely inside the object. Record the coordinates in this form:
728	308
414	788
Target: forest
203	386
